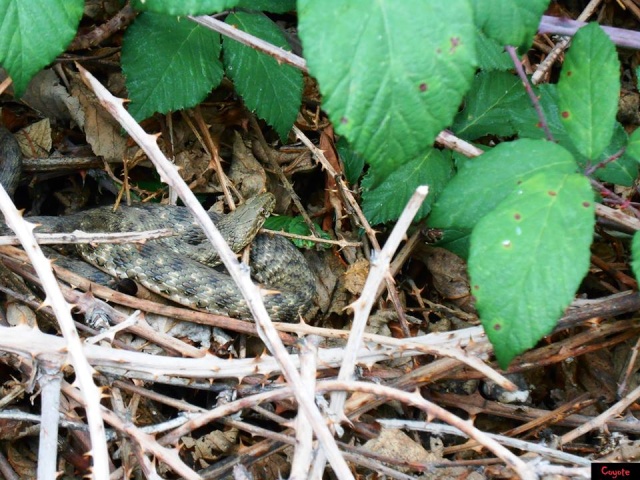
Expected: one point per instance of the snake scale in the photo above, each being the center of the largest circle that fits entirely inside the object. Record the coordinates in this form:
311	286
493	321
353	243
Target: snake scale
181	267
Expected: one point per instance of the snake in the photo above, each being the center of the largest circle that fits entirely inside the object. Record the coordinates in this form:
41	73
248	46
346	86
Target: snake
185	267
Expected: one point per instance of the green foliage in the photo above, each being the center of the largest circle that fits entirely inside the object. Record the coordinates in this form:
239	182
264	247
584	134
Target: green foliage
275	6
391	74
184	7
353	162
385	201
528	257
635	249
157	51
588	89
483	183
633	147
170	63
296	225
495	107
509	22
33	33
277	97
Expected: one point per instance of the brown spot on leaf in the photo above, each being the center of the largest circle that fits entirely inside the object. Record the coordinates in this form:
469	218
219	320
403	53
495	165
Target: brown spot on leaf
551	193
497	327
455	42
423	87
344	120
586	204
565	114
517	216
569	73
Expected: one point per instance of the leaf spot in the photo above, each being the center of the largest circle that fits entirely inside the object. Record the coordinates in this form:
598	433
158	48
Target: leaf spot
476	287
569	73
423	87
344	120
517	216
455	42
497	326
586	204
551	193
506	243
565	114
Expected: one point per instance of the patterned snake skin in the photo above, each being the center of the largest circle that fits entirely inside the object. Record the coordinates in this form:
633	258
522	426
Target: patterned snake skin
181	267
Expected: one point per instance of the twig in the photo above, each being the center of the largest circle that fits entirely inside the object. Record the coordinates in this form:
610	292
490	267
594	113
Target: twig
62	310
50	370
83	237
249	290
168	456
532	96
439	429
604	417
563	26
362	307
562	44
307	238
612	158
120	20
304	434
286	184
230	31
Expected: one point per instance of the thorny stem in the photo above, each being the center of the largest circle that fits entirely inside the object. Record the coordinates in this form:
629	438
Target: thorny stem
589	170
532	96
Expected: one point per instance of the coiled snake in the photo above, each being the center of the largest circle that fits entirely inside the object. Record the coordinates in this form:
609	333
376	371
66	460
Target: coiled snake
181	267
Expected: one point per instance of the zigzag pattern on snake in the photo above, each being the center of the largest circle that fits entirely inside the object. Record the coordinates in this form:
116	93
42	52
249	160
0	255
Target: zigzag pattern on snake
181	267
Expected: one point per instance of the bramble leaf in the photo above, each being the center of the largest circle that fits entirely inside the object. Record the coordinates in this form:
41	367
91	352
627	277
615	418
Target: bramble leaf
509	22
169	64
392	74
528	257
486	180
272	90
387	200
184	7
588	90
33	33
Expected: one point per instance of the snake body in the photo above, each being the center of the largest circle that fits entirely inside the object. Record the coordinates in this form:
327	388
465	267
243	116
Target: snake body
182	267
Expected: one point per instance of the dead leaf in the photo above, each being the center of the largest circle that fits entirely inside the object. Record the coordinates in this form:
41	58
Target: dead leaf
101	130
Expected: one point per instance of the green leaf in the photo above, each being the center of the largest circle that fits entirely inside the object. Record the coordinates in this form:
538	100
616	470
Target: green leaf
275	6
494	102
184	7
635	255
456	241
485	181
273	90
528	257
297	225
352	161
491	54
633	147
509	22
33	33
588	90
387	200
392	74
169	64
622	171
527	122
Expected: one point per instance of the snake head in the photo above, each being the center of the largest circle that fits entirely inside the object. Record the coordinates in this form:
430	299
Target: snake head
244	223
